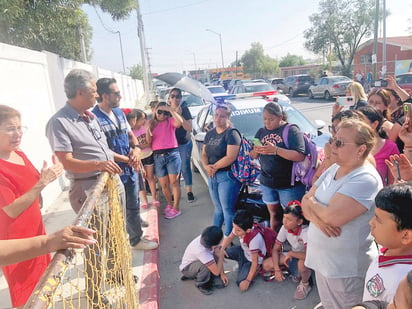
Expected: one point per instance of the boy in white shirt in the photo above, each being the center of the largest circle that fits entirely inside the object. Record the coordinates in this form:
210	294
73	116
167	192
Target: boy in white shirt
201	262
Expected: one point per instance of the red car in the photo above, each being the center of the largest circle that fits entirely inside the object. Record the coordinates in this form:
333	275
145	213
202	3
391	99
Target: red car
405	81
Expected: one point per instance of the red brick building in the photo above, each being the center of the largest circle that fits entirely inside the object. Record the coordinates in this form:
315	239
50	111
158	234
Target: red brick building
398	56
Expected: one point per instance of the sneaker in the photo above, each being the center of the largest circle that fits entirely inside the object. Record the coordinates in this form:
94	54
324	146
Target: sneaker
167	209
156	203
172	213
184	278
190	197
296	279
144	223
205	289
268	276
145	244
302	291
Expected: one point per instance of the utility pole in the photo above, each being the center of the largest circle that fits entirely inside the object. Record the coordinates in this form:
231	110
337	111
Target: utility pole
384	69
375	42
82	45
147	80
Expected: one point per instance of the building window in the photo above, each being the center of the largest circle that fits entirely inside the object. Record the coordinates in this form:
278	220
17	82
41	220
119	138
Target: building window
365	59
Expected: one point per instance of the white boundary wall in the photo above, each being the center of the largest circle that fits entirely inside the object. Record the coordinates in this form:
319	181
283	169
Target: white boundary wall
32	83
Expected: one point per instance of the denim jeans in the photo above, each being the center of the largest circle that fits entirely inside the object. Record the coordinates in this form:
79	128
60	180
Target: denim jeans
133	221
283	196
236	253
224	190
185	154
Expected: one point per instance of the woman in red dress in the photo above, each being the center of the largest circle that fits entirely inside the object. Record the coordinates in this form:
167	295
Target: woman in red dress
20	216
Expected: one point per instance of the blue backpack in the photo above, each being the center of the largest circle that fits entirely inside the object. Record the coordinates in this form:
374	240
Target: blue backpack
304	170
245	168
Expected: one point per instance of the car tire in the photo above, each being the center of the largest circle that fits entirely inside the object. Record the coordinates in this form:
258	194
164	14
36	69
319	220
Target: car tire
291	93
311	95
194	168
327	96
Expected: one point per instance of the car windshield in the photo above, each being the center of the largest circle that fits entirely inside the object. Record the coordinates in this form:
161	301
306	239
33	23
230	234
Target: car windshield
192	100
248	121
258	88
216	89
341	79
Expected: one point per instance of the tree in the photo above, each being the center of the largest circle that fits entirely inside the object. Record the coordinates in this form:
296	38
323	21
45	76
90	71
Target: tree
257	64
53	25
135	71
341	25
291	60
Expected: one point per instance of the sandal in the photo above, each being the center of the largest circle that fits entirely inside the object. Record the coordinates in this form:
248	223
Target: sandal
144	205
302	291
156	203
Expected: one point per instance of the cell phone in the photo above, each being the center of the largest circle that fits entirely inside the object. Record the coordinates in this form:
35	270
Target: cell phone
380	83
257	142
407	111
398	171
346	101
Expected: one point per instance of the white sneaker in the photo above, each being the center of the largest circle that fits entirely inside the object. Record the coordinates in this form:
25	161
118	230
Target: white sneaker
145	244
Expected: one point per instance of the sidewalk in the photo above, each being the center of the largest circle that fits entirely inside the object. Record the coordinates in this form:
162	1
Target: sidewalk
145	263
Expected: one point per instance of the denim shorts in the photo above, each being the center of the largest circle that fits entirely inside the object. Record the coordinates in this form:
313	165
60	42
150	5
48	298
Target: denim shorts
272	196
168	163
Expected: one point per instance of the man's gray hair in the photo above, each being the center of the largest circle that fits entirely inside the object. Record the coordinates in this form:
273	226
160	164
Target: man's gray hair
77	79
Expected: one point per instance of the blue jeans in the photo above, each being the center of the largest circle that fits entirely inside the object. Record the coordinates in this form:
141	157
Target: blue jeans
224	190
185	154
133	221
272	196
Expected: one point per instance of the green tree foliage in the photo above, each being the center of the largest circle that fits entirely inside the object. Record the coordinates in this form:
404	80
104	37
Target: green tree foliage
135	71
340	24
53	25
257	64
291	60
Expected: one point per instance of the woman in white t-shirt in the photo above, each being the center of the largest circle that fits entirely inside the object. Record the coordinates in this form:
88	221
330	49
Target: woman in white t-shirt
339	205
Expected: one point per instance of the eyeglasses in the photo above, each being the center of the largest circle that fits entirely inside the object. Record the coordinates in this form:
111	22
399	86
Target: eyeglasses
14	130
339	143
116	93
162	112
175	96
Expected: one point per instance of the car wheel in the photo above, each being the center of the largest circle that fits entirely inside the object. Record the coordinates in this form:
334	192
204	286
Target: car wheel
291	93
327	96
194	168
311	95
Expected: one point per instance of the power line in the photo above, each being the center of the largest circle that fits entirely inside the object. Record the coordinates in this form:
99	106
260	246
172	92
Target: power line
175	8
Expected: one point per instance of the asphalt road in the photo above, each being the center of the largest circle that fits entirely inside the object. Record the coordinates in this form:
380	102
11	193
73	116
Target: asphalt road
176	234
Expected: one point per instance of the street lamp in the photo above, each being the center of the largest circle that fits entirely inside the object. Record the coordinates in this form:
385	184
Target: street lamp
221	48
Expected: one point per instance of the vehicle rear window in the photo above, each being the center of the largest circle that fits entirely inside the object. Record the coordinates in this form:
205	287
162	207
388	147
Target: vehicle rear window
305	79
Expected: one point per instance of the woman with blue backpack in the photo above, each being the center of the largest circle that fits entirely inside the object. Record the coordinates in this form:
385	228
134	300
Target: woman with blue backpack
220	150
276	158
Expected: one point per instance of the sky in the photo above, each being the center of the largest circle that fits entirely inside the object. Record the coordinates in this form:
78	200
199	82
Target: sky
177	40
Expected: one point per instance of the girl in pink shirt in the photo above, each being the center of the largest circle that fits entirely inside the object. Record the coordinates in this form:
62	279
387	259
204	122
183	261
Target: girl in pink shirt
167	161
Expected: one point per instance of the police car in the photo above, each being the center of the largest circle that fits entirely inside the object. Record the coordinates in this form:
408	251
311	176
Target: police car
247	118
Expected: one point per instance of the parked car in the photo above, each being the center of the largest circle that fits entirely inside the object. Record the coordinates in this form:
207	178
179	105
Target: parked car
194	103
296	84
234	82
225	84
329	86
275	82
254	89
219	93
247	118
405	81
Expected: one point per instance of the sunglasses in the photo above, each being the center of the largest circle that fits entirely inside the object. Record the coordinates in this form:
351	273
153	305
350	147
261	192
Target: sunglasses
332	129
175	96
162	112
339	143
116	93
